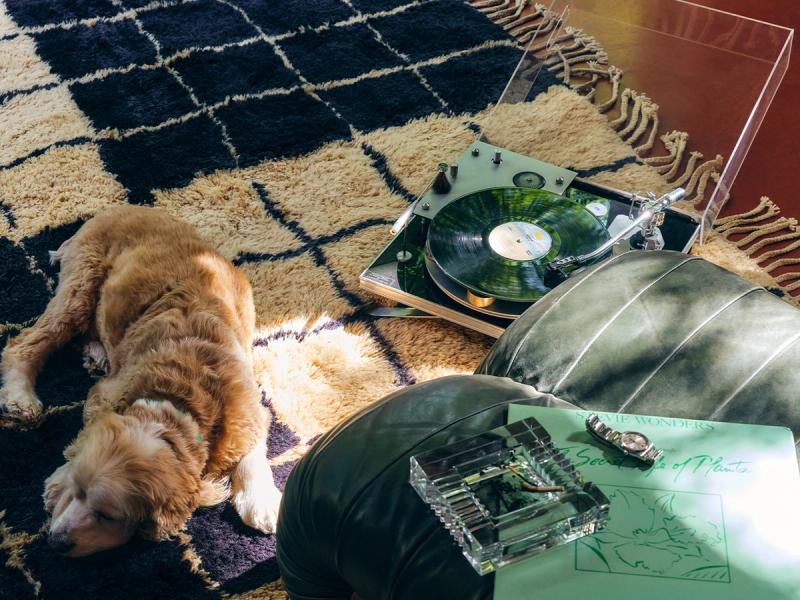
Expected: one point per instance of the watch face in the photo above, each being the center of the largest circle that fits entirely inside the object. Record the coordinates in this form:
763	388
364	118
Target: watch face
634	442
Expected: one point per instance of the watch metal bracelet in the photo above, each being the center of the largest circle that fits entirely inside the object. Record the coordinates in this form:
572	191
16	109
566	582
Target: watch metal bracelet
631	443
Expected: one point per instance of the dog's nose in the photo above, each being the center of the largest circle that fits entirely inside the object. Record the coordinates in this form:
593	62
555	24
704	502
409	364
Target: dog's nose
60	542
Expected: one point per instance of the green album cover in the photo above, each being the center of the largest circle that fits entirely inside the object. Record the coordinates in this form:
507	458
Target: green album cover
716	517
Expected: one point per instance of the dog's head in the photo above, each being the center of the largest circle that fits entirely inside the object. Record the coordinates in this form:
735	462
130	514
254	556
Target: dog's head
124	474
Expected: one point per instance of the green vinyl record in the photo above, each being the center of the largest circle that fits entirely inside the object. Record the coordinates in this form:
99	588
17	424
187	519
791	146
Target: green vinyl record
498	242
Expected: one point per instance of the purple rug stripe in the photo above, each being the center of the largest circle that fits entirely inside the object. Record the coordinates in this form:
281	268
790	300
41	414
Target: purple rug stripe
281	438
299	336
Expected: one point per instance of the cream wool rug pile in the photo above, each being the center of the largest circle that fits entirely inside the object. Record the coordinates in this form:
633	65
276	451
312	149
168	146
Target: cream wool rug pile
291	139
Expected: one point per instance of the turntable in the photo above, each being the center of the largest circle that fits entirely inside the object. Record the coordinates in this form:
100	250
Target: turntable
497	230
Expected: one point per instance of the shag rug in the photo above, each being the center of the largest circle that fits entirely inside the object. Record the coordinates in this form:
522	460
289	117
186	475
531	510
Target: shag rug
291	134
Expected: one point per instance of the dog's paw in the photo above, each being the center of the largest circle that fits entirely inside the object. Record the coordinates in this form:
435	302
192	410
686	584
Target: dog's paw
257	504
19	402
95	359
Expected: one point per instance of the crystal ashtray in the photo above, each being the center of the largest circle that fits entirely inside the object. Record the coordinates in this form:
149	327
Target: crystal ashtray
508	494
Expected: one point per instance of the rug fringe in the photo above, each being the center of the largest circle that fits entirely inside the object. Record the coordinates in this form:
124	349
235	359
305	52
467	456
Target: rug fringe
635	112
779	251
487	5
762	230
649	108
614	76
691	166
521	20
699	179
548	23
675	142
571	32
793	276
491	6
783	262
624	99
510	12
765	209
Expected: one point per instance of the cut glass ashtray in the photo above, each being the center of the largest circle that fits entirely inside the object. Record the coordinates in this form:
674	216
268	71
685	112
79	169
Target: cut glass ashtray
508	494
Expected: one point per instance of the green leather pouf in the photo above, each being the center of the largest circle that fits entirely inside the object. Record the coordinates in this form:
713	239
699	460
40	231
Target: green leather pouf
351	522
660	333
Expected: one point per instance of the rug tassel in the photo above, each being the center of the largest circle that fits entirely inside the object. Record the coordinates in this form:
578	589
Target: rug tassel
615	75
592	89
487	4
566	67
651	139
490	11
637	114
765	209
523	20
595	72
773	240
671	143
748	229
648	108
779	251
571	33
590	83
677	150
791	287
623	108
699	179
689	171
544	28
510	13
581	46
788	277
765	230
599	57
565	50
784	262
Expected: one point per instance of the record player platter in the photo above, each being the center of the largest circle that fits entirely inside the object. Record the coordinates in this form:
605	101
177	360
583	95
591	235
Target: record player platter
497	242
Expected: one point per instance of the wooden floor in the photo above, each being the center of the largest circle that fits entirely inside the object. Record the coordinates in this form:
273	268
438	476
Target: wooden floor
772	167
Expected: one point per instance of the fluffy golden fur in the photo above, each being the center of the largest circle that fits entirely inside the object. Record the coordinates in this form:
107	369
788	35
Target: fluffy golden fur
178	411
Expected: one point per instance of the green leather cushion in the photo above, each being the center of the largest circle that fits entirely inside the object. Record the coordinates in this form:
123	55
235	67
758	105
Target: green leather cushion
350	521
660	333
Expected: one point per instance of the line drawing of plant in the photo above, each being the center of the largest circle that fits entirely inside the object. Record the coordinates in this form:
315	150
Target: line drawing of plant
659	533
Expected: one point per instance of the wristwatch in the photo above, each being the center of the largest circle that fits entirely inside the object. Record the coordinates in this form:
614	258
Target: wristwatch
632	443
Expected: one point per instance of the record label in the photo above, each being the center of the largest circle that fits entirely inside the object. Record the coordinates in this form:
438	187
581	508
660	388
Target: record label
518	240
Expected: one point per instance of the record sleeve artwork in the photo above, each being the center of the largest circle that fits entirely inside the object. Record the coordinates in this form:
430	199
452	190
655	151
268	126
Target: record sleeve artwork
497	230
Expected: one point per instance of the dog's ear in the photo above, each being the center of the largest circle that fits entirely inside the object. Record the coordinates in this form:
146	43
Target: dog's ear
166	521
213	491
53	487
72	450
169	517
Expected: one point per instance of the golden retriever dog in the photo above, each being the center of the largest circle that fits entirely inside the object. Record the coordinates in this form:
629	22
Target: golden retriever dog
176	423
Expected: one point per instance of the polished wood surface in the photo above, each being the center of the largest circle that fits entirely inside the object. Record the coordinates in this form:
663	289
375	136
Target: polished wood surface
772	167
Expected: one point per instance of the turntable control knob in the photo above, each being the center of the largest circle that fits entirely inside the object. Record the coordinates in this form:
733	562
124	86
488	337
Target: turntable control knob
453	171
475	152
441	185
559	180
498	158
